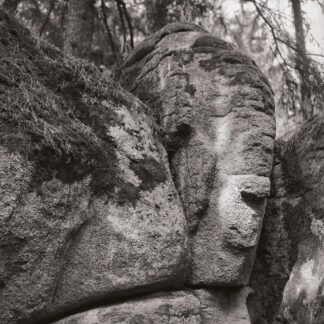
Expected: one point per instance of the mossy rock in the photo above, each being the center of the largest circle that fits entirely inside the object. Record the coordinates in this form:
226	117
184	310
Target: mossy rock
88	209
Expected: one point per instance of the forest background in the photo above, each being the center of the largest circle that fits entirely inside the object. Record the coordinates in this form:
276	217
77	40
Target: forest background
284	37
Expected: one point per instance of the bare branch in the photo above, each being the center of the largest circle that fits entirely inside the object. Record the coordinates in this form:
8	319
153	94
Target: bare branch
63	13
121	16
128	19
47	17
272	31
112	45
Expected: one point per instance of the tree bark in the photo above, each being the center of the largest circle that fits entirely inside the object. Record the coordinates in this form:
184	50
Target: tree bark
156	14
302	61
79	28
11	5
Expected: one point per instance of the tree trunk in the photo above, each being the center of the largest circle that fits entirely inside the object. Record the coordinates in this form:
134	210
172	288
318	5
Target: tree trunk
302	62
156	14
11	5
79	28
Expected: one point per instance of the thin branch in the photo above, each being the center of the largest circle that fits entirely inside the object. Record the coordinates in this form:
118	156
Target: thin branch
121	16
314	54
63	13
104	16
47	17
223	23
139	28
311	83
129	23
272	30
276	38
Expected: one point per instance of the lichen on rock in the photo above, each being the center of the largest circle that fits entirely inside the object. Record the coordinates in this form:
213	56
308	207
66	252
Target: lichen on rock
88	207
288	274
117	211
215	110
180	307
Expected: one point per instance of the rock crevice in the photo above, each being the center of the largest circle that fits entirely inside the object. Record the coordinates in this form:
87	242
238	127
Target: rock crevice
288	272
117	209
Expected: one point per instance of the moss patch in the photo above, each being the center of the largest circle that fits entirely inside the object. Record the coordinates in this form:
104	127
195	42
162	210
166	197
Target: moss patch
220	57
150	43
150	171
57	110
210	41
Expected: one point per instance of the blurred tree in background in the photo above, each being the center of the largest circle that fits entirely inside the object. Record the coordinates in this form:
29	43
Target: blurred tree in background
79	27
104	32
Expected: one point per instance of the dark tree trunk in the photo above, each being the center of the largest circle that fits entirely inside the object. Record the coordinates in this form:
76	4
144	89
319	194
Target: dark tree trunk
156	14
79	28
302	61
299	28
11	5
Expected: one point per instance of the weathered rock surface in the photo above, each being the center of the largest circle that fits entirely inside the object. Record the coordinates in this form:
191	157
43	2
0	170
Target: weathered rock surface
215	111
185	307
88	209
288	277
91	215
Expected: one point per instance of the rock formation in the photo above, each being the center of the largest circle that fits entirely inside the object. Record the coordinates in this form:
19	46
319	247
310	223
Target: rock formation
288	277
115	209
185	307
88	207
215	112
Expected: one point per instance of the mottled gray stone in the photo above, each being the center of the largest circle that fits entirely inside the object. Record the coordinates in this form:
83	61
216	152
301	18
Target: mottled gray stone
215	111
181	307
88	208
288	277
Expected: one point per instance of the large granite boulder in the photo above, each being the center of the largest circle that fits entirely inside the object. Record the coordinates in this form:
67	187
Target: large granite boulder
104	200
88	208
181	307
288	277
215	112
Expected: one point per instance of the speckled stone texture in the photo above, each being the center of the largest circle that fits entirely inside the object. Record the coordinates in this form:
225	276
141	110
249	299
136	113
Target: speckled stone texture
86	222
288	277
215	112
105	200
182	307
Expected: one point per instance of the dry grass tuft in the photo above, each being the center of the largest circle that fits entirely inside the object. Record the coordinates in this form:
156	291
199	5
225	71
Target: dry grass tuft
57	110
